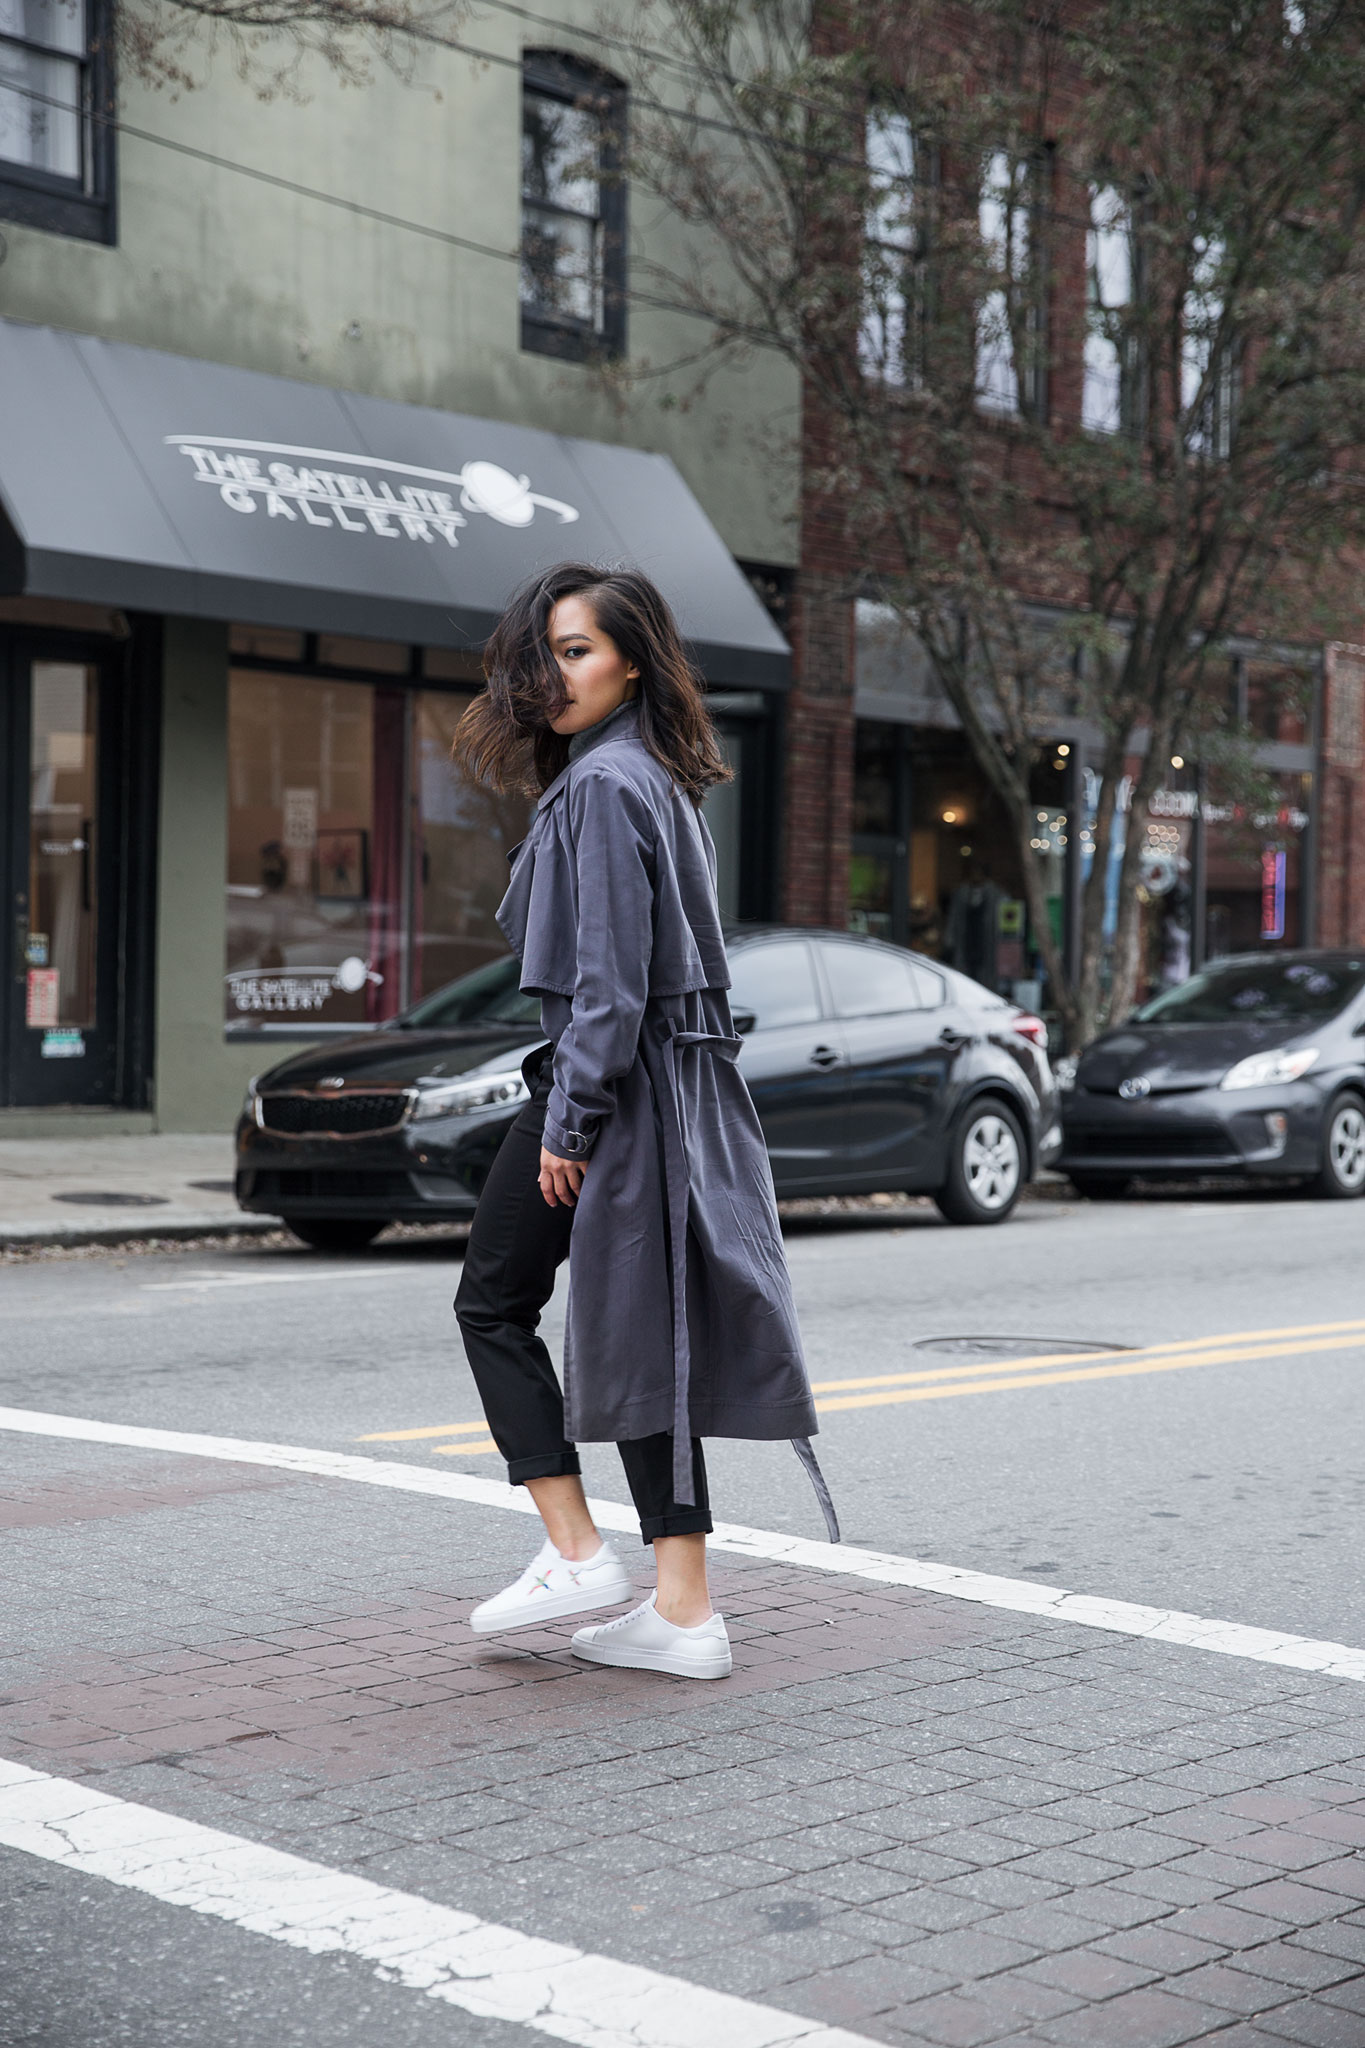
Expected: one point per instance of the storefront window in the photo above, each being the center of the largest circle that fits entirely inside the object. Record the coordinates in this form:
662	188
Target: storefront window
934	862
1166	882
729	805
363	871
1253	828
464	835
59	949
878	879
303	912
1279	702
1254	863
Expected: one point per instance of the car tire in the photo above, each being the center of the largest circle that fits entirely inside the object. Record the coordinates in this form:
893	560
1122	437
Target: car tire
986	1165
1341	1177
335	1233
1101	1187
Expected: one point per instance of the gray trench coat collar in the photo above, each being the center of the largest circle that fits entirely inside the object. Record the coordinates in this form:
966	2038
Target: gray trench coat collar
624	719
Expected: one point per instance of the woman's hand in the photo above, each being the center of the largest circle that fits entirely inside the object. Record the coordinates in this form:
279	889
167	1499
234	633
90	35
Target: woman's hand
560	1179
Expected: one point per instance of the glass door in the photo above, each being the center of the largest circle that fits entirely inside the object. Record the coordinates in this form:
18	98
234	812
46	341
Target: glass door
61	937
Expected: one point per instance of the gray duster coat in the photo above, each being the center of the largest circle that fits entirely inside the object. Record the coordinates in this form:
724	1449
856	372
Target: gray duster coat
680	1313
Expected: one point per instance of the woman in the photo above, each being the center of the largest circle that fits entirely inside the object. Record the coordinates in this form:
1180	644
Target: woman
639	1156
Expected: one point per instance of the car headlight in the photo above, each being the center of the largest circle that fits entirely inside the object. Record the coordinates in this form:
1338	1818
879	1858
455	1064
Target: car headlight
252	1105
459	1098
1264	1069
1064	1073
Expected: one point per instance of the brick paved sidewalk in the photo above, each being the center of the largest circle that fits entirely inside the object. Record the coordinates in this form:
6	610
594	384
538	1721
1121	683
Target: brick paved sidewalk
930	1822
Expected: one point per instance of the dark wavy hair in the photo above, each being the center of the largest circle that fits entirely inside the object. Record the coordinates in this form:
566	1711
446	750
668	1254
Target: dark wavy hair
505	738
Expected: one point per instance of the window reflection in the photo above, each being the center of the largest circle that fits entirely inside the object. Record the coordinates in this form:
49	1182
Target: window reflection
464	835
363	870
59	949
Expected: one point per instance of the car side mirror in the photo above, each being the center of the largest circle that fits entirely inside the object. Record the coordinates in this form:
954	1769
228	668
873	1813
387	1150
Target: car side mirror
744	1021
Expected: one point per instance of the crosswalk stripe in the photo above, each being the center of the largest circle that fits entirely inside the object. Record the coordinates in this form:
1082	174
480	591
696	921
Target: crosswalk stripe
481	1968
1020	1596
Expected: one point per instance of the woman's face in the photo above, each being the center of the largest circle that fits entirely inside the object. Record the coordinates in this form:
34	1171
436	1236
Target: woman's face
596	674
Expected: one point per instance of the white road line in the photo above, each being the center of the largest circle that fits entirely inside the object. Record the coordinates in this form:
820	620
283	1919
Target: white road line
494	1972
208	1282
1018	1596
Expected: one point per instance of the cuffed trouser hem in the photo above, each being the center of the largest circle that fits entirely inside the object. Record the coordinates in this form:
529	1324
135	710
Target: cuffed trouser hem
554	1465
686	1522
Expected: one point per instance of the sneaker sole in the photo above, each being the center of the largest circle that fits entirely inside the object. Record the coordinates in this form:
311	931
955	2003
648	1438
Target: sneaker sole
655	1660
561	1608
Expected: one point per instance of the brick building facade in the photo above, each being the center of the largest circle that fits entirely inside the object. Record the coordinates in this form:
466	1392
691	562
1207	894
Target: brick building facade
890	827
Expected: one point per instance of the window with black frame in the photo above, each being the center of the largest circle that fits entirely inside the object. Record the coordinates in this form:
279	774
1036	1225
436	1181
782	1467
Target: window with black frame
1211	356
902	173
56	142
572	209
1114	394
1011	319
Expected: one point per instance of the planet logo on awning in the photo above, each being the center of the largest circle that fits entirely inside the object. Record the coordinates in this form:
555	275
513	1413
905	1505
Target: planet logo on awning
508	499
395	500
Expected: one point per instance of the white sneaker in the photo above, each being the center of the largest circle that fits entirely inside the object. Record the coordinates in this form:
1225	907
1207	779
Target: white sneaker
644	1641
552	1587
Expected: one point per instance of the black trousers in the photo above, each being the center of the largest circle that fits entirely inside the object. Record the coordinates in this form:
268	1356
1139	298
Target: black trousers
515	1247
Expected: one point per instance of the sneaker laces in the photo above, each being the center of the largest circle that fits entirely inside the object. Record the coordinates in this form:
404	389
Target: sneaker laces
605	1628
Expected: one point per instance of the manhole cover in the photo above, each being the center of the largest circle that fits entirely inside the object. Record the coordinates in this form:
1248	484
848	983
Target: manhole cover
99	1198
214	1187
990	1347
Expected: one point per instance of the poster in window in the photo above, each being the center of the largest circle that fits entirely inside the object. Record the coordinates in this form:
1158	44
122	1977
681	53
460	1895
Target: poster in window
343	864
42	1004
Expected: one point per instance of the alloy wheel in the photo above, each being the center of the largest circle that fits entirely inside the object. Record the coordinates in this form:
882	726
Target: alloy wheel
990	1161
1346	1146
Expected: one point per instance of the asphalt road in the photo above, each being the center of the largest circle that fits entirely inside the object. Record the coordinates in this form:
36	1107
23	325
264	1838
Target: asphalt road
931	1821
1230	1485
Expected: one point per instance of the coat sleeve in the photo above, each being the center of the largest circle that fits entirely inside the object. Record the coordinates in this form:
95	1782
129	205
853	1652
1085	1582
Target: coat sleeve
614	855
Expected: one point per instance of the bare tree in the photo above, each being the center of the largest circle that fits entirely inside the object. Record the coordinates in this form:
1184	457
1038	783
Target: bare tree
1073	289
1070	510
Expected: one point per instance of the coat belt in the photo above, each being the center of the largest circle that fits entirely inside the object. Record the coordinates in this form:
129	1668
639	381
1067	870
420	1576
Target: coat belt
663	1060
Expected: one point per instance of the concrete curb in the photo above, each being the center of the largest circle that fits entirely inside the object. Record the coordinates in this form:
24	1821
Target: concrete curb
34	1236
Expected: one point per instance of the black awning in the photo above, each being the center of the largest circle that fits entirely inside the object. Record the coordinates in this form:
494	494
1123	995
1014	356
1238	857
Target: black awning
155	482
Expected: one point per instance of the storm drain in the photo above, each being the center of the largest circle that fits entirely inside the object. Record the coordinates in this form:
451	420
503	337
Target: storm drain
1004	1347
105	1199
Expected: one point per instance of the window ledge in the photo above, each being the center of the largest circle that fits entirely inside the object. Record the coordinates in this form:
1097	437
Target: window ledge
569	344
36	201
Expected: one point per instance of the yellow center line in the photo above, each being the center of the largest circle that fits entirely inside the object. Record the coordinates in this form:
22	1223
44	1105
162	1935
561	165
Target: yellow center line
404	1436
998	1377
1117	1369
1010	1365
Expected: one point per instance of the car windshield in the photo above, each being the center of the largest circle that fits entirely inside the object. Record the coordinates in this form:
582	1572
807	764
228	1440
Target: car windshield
490	995
1258	992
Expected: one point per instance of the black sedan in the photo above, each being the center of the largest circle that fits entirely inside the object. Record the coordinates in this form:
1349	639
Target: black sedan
871	1070
1256	1065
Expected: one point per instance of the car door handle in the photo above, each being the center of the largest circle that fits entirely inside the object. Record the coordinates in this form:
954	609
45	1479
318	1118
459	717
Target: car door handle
952	1038
824	1056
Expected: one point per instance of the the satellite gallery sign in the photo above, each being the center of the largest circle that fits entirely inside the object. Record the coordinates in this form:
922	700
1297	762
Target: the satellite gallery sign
363	493
167	484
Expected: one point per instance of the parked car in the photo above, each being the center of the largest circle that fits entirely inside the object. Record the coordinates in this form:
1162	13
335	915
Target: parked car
870	1068
1255	1065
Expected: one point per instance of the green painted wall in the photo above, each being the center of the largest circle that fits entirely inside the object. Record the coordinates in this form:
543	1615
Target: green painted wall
213	262
199	1078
